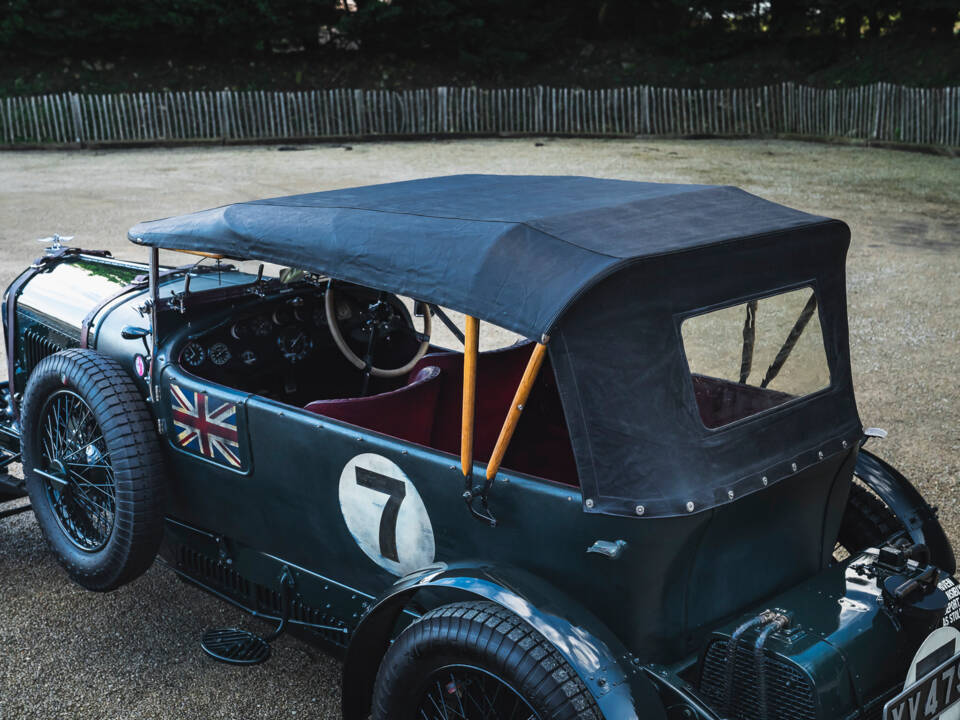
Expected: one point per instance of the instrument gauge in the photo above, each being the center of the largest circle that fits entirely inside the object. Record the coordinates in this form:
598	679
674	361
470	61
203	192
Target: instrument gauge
193	355
344	311
239	330
261	326
282	316
249	357
219	354
294	343
302	312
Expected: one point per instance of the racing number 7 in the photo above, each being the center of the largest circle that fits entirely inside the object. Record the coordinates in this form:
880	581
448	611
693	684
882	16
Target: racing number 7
395	490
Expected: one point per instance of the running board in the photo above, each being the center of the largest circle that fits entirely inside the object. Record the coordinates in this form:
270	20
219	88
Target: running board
235	646
14	511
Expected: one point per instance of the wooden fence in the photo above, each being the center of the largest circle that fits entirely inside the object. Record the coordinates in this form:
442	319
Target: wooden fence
929	116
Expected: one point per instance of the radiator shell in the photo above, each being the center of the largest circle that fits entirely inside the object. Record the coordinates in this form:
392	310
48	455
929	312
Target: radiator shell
845	652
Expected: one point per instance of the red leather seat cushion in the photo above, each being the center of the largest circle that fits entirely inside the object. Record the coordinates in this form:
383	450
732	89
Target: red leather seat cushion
498	375
407	413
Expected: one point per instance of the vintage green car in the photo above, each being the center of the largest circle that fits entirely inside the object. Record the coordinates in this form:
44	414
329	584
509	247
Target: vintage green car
656	506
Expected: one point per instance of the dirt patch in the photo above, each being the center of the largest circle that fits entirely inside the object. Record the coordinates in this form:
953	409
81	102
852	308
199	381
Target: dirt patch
134	653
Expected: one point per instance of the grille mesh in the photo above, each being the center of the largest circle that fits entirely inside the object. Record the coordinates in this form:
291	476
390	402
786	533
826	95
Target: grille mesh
790	695
36	347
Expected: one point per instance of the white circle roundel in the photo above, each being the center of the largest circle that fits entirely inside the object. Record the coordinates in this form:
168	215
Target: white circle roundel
930	655
385	514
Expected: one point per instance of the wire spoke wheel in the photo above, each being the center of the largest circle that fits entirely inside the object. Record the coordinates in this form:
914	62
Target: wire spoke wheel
464	692
93	467
79	479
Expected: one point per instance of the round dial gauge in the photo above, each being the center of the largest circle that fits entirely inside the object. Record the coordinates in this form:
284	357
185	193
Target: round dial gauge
219	354
302	314
294	344
193	355
282	316
261	327
239	330
249	357
344	311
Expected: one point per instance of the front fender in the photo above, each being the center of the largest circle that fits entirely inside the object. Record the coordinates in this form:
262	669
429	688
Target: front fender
617	683
908	505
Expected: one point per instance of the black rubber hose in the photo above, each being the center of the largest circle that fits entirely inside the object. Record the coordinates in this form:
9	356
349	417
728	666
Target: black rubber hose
761	667
728	694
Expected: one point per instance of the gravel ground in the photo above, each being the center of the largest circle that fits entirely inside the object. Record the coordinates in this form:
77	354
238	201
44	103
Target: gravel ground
67	653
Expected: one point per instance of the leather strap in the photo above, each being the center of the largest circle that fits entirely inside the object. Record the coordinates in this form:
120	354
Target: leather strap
137	284
11	329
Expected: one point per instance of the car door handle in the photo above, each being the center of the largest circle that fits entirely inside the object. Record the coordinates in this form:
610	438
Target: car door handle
608	548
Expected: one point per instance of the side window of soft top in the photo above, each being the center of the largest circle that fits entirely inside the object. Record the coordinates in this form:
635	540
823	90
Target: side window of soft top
753	356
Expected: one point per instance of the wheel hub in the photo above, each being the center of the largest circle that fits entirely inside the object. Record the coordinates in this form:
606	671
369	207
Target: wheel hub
59	474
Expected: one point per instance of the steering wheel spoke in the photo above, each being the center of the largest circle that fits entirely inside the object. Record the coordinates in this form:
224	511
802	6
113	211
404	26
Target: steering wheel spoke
380	323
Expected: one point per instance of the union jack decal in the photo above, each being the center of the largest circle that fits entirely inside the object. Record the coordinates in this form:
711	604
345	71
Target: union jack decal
204	428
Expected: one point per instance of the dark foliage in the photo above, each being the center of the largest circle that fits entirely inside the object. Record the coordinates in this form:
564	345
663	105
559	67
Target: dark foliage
492	33
105	27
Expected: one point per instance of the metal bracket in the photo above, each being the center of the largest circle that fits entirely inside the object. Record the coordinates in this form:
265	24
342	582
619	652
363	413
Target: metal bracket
258	287
472	493
9	459
872	432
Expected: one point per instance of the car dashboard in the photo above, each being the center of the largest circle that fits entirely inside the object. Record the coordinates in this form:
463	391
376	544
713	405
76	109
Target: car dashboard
283	348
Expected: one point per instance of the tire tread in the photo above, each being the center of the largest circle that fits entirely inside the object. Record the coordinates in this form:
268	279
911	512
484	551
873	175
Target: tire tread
128	429
508	645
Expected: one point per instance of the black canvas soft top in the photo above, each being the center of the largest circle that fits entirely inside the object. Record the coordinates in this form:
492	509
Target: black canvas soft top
609	269
511	250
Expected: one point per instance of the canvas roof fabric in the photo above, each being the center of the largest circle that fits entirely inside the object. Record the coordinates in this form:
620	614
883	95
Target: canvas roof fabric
512	250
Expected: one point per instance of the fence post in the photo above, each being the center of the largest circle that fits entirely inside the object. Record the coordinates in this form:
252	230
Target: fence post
76	115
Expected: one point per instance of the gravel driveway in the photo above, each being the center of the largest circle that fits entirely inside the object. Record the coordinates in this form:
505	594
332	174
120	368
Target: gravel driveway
134	653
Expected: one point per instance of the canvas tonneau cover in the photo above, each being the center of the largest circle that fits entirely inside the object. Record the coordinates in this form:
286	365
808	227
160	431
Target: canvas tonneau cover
608	268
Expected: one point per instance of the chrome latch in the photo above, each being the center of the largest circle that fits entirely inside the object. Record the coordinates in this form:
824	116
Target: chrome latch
608	548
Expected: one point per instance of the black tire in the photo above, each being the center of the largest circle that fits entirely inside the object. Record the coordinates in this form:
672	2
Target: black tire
478	642
867	522
105	547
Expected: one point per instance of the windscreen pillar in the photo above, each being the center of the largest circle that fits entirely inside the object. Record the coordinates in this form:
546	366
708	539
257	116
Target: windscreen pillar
154	289
516	407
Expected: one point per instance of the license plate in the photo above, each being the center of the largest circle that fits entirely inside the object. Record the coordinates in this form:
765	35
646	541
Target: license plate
930	696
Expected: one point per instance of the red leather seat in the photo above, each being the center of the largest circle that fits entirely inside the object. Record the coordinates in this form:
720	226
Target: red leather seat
498	375
541	445
407	413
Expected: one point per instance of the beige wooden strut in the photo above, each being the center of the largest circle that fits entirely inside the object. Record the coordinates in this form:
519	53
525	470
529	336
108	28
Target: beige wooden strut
519	401
471	343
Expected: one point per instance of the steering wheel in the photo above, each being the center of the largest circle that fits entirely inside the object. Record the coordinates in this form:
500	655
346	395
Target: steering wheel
381	320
